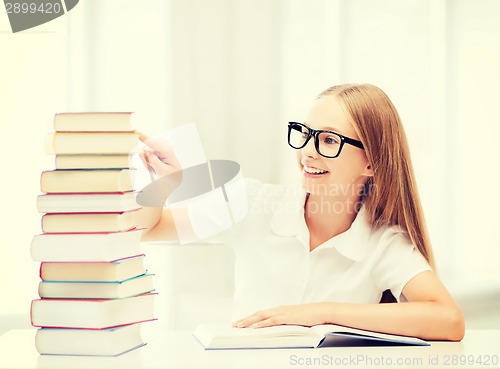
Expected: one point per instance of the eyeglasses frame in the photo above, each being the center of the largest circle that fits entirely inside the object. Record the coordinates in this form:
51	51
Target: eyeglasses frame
315	133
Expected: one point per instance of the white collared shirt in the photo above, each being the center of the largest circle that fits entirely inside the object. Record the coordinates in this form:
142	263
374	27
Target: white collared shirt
274	265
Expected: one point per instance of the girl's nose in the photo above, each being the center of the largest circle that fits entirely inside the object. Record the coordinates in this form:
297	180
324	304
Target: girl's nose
309	149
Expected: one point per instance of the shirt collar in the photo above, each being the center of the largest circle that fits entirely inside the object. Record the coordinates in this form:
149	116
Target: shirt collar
288	220
288	217
353	243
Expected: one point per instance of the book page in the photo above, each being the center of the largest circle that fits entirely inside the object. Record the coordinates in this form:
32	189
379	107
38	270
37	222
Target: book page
226	330
332	328
224	336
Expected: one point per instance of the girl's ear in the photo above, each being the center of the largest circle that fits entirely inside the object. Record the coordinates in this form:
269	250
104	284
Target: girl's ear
368	172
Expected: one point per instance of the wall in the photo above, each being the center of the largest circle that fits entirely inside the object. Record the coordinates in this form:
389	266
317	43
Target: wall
241	69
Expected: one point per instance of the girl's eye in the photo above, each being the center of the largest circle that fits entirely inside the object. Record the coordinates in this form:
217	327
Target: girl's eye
331	140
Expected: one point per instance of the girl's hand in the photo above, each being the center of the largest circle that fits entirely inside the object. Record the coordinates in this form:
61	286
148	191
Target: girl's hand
158	157
304	314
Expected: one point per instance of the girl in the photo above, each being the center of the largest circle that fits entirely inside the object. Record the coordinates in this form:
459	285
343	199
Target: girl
327	252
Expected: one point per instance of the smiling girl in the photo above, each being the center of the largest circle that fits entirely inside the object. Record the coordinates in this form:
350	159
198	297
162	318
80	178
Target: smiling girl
326	252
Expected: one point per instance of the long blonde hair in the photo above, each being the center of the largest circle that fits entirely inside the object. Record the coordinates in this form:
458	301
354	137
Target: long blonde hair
391	195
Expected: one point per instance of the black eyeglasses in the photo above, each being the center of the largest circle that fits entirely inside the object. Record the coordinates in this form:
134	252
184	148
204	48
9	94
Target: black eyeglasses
328	143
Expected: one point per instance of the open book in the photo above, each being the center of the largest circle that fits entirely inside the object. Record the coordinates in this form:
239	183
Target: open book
223	336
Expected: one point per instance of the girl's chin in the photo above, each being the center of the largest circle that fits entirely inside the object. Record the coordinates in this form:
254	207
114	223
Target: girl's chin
314	186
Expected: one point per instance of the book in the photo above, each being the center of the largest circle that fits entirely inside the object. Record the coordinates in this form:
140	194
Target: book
86	202
93	121
224	336
77	181
92	314
91	142
117	270
89	222
92	161
96	290
94	342
90	247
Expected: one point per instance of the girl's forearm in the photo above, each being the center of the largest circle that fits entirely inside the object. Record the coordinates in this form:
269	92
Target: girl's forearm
158	224
427	320
148	218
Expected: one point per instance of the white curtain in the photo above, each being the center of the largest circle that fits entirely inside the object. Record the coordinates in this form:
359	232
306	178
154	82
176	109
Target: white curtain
241	69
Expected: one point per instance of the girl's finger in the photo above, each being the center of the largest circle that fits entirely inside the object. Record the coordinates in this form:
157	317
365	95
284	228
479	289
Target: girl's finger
143	137
146	161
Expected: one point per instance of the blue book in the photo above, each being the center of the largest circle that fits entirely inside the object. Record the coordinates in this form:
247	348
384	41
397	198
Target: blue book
96	290
89	342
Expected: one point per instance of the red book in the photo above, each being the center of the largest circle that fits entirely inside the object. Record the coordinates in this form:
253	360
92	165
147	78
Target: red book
89	222
87	202
87	181
92	313
89	247
101	271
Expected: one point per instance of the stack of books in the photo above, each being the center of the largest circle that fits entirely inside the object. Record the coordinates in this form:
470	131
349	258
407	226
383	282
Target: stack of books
94	289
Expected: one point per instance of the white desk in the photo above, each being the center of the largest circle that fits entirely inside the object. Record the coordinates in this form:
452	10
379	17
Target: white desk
178	349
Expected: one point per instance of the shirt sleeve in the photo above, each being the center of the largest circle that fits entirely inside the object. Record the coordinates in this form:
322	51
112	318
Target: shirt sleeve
398	263
241	199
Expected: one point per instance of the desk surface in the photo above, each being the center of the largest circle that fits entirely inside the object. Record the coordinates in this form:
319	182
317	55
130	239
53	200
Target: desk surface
178	349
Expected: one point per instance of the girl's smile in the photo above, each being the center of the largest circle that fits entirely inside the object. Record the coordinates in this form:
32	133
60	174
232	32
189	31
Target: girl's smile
313	172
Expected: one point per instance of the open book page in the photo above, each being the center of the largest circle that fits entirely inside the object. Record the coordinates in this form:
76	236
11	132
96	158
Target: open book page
214	335
353	333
